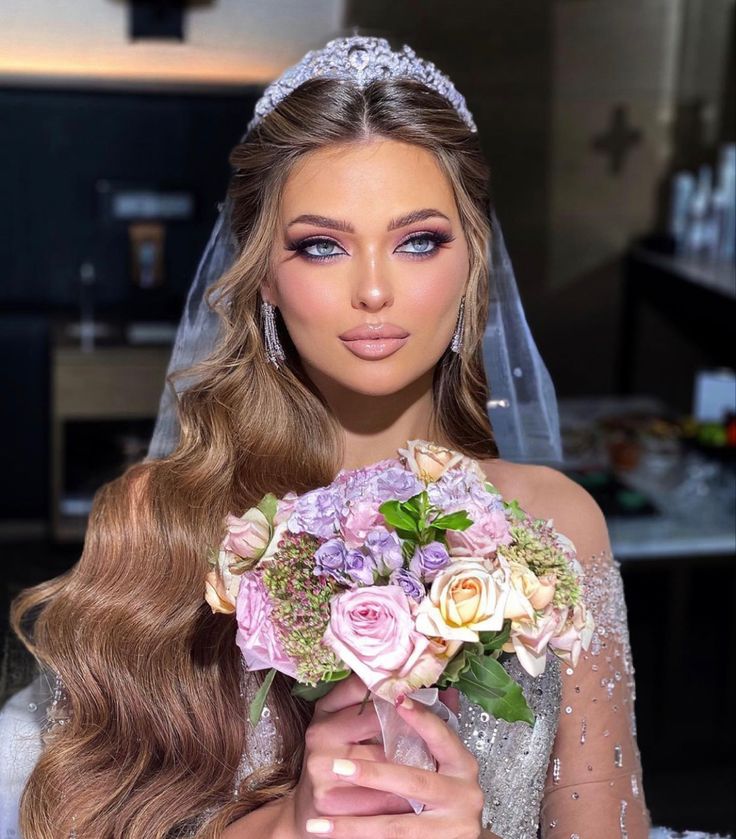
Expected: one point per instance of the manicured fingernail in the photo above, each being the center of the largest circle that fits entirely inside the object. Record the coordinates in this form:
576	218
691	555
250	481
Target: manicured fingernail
343	767
319	826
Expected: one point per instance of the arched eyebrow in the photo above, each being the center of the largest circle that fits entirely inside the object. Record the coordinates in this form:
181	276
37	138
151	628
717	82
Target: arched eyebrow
346	227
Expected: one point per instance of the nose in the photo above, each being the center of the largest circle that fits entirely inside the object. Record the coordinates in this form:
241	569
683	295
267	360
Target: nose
372	285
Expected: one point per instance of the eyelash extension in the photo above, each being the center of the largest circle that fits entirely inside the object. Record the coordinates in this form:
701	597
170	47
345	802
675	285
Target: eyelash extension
439	237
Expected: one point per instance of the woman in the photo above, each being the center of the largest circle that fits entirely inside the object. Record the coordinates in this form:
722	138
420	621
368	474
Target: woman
352	205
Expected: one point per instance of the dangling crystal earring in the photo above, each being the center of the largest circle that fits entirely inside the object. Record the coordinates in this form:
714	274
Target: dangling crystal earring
274	350
457	338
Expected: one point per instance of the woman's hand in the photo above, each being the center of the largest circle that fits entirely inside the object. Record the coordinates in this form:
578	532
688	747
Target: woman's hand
342	728
345	786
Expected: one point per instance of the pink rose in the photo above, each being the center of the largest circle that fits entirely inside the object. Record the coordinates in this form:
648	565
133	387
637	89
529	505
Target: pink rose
247	535
489	529
372	630
359	518
256	635
529	640
284	507
573	634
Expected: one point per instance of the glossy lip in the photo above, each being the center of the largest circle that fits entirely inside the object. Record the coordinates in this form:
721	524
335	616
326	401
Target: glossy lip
374	331
374	348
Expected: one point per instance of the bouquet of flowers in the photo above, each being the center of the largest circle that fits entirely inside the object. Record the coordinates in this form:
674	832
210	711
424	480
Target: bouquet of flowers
413	573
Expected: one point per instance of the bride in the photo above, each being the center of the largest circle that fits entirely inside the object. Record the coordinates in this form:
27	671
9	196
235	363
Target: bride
348	290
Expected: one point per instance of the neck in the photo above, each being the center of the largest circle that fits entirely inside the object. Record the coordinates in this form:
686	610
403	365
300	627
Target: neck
375	426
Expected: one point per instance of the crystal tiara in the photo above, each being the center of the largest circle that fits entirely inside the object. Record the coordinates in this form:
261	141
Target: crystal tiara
360	59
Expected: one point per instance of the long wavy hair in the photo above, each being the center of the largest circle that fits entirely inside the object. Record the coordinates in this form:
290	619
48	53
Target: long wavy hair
156	723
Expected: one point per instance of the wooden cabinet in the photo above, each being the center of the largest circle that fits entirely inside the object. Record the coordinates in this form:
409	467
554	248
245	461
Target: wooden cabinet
106	385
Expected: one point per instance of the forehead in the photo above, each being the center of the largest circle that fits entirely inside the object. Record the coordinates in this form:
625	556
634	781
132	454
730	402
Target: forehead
375	176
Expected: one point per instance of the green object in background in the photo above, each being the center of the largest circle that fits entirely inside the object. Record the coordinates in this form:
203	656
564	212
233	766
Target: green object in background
712	434
593	479
630	499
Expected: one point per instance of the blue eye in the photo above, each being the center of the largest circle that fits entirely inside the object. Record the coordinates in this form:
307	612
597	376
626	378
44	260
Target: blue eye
437	238
424	237
319	243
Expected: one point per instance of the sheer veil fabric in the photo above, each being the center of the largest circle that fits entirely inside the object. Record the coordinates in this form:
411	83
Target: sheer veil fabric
576	774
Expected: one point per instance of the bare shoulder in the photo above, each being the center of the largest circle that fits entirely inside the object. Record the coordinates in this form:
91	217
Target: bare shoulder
548	493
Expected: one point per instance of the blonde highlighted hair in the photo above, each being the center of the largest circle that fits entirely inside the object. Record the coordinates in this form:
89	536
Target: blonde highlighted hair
157	723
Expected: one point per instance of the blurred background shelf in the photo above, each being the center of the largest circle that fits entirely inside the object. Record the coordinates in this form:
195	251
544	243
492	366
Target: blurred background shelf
104	402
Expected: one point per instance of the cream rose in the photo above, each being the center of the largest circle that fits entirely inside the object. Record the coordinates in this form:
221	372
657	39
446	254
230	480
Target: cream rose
466	598
530	639
574	634
221	586
273	544
528	592
429	461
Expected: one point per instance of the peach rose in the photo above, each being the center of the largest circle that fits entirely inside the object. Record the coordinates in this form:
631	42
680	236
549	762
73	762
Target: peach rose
528	592
530	638
466	598
221	586
429	461
574	634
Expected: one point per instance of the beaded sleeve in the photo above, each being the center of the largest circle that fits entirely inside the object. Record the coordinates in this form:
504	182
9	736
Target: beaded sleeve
593	787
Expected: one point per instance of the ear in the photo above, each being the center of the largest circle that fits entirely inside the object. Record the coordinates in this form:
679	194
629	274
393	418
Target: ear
268	294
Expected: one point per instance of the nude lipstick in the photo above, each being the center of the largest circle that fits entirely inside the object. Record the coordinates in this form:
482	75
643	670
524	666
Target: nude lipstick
374	341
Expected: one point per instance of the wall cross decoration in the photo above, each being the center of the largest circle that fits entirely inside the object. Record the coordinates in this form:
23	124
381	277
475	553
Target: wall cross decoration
618	140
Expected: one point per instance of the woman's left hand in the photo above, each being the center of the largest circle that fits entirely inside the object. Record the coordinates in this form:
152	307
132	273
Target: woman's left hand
452	796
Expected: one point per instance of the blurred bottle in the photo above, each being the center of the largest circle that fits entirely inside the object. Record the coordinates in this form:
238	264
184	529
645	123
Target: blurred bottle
87	280
702	217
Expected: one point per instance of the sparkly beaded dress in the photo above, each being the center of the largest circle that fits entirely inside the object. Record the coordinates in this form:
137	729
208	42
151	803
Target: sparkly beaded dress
576	774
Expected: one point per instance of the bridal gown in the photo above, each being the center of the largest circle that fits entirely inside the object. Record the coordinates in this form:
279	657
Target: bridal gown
575	774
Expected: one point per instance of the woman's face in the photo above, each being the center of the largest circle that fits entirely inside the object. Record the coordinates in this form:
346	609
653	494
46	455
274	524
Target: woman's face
364	261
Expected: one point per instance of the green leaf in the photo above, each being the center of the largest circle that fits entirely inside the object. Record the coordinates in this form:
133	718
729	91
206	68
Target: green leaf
487	684
412	504
311	692
268	505
495	640
314	692
491	488
213	556
459	520
408	547
259	700
515	510
240	566
337	675
397	517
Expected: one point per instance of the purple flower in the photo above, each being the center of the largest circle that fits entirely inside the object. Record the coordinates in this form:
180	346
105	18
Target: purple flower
385	549
314	512
459	489
359	568
409	582
330	559
428	560
397	483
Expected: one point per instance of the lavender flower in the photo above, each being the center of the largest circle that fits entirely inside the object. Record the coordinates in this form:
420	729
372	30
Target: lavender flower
315	512
457	489
359	568
385	548
409	582
428	560
330	559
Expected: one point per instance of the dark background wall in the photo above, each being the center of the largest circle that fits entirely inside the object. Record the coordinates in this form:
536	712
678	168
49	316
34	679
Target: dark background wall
55	145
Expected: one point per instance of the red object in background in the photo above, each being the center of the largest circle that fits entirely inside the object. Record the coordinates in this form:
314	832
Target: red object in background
731	430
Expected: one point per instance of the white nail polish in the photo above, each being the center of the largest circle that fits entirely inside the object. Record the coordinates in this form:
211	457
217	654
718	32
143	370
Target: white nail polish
343	767
319	826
